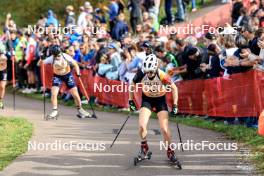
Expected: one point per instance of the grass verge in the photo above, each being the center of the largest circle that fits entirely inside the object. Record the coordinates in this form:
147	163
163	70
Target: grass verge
239	133
15	133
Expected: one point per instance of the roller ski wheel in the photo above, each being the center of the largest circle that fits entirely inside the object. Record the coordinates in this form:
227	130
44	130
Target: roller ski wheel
52	116
48	117
82	114
141	158
174	161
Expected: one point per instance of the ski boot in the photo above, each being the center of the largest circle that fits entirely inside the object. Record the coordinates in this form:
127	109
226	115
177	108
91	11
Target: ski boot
143	153
53	115
1	104
83	114
173	159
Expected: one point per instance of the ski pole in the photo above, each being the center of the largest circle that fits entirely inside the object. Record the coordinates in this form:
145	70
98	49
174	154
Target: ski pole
87	97
120	131
14	81
13	68
179	132
44	89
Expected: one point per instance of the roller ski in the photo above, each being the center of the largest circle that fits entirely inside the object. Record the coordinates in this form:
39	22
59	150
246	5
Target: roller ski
82	114
143	154
172	159
1	105
53	115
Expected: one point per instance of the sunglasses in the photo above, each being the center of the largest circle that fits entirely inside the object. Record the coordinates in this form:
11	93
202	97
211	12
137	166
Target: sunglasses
151	72
59	55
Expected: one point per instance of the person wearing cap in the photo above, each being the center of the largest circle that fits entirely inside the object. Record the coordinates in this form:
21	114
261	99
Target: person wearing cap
196	61
70	19
210	39
3	74
115	61
147	47
51	20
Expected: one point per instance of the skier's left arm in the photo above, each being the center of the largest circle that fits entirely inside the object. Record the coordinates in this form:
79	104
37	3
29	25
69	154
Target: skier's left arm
74	64
77	68
165	78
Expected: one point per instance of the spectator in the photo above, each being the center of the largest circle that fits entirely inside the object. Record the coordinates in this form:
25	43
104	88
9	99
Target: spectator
194	6
135	14
30	64
42	21
20	53
113	13
170	68
123	71
168	6
163	55
197	63
214	69
51	20
121	6
115	61
243	18
236	10
180	15
82	17
120	28
100	16
10	23
70	19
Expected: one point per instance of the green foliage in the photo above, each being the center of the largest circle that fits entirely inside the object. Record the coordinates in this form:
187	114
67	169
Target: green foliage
26	12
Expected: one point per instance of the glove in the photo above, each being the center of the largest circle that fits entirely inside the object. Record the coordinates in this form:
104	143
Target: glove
174	110
132	105
78	74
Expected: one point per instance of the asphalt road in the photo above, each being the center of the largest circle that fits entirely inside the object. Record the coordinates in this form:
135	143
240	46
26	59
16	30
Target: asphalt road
118	161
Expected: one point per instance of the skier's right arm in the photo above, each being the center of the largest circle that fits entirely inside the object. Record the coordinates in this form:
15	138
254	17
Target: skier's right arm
137	79
48	60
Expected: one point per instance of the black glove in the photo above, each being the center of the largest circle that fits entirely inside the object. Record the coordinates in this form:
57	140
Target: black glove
174	110
78	74
132	105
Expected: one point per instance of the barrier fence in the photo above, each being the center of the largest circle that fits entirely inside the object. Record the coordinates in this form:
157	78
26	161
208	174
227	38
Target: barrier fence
239	95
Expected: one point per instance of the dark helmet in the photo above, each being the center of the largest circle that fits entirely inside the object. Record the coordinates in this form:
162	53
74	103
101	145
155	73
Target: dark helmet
55	50
146	44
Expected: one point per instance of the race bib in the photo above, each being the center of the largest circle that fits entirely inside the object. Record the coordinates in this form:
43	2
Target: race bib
61	67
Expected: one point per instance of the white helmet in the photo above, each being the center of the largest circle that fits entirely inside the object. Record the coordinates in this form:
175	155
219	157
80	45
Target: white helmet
150	63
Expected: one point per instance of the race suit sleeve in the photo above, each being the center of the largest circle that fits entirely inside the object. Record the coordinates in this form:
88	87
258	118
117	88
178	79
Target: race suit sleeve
138	77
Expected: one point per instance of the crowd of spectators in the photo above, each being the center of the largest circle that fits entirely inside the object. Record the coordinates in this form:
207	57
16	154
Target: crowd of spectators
114	45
